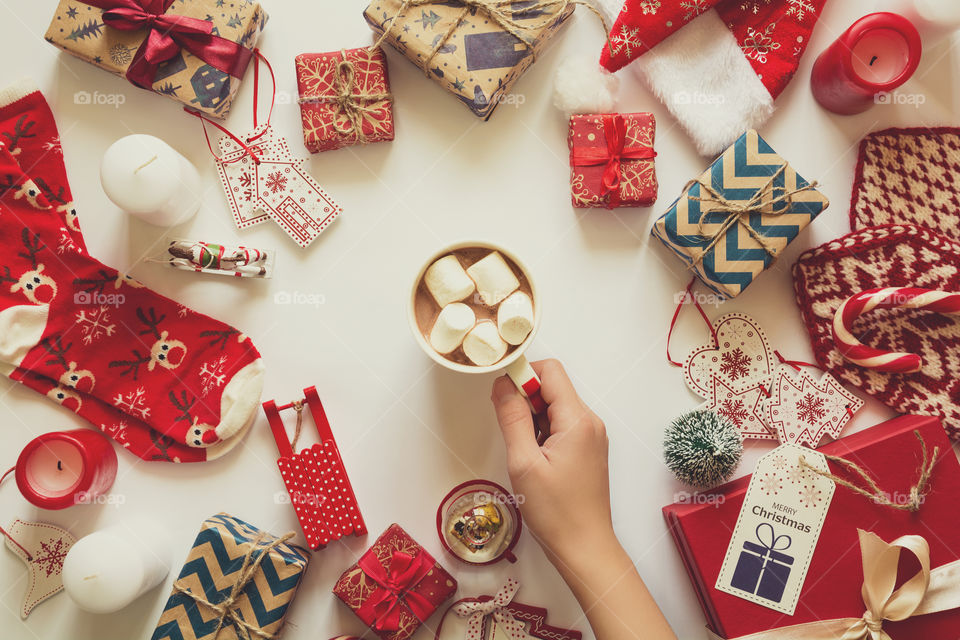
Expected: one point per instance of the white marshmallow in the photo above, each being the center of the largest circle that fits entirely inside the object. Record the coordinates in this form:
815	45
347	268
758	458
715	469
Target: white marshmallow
515	318
494	278
453	323
483	345
447	281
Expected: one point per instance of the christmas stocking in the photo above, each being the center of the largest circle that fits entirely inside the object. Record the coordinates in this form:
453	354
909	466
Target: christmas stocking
718	65
176	384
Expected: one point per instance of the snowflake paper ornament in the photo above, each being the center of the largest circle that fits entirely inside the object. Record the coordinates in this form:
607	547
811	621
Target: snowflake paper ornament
741	358
44	548
743	408
802	410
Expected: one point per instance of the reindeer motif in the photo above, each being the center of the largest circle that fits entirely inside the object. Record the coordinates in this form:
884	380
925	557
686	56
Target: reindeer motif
81	380
21	130
165	352
199	435
38	287
66	397
64	207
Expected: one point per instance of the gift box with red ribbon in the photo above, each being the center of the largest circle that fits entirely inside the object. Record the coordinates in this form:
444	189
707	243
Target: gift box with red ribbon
612	160
194	51
832	602
395	586
344	99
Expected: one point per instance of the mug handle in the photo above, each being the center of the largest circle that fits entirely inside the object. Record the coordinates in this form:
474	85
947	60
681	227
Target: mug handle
527	382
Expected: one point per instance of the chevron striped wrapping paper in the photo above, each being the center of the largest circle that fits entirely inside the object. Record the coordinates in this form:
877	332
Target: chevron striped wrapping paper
213	568
395	586
733	221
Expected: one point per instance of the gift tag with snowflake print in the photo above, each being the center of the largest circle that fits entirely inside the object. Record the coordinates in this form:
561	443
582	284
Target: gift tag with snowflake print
42	547
778	528
743	408
803	411
740	357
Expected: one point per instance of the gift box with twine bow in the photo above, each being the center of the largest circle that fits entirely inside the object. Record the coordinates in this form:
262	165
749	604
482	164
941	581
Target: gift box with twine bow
236	584
733	221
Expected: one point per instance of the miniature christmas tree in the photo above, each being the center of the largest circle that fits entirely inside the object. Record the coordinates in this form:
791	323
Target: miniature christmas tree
702	448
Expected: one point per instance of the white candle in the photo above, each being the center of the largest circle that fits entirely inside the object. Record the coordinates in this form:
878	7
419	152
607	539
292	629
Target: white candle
107	570
146	177
935	19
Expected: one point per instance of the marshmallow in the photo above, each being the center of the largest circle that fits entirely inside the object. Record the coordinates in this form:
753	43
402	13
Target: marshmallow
483	345
515	317
494	278
447	281
453	323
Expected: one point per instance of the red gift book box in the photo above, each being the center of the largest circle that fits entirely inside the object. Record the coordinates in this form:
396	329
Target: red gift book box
891	453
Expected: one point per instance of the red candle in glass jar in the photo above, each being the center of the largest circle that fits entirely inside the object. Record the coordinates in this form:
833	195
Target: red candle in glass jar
877	54
60	469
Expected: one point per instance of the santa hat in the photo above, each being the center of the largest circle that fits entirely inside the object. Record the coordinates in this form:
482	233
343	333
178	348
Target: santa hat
717	65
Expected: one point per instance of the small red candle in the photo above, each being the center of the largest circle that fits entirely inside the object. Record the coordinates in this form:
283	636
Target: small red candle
877	54
60	469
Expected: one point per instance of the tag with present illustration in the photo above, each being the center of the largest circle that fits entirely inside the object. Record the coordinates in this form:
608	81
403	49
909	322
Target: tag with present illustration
42	547
777	529
802	411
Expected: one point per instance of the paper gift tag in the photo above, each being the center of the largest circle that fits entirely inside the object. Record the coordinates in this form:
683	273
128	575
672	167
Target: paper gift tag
777	529
741	357
803	411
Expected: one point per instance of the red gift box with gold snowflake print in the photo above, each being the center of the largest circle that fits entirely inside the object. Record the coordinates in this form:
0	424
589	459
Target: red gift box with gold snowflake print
612	160
344	99
395	586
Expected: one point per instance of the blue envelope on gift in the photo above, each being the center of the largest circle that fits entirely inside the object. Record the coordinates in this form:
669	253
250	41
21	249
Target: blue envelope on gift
763	569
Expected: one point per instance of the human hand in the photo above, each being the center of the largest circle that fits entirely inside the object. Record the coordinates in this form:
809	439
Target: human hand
564	483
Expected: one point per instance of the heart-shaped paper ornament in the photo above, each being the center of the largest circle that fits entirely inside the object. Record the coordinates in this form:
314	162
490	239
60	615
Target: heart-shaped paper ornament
802	410
740	358
743	408
47	546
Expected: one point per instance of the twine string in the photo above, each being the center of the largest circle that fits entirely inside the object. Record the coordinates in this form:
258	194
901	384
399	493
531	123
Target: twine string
227	615
298	407
873	490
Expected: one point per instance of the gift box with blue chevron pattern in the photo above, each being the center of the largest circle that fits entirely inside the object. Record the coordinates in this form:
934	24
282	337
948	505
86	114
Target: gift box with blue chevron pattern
733	221
227	553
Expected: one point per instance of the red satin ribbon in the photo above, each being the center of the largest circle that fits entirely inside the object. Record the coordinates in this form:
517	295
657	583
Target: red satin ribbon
615	128
169	34
385	604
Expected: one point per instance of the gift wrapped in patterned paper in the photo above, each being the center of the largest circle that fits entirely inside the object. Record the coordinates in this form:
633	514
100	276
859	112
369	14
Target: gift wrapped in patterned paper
476	50
237	583
344	98
194	51
733	221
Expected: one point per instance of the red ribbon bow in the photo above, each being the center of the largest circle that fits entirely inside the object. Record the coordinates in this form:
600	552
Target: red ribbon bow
168	35
615	129
405	573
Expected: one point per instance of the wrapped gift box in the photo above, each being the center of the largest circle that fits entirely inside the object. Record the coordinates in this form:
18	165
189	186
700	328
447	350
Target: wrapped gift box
732	222
479	61
892	454
211	570
358	78
612	160
419	585
79	29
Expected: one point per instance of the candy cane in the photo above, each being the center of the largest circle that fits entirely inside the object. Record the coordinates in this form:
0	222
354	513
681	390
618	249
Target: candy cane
889	298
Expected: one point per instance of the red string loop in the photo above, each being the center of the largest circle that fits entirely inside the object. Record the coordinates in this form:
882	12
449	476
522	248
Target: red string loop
688	293
257	57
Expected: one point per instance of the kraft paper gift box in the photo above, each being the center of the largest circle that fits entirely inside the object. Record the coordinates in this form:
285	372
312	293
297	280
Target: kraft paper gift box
478	61
226	549
892	454
395	586
733	221
206	69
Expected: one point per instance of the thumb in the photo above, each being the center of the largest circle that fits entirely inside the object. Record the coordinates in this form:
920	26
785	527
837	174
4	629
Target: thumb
516	423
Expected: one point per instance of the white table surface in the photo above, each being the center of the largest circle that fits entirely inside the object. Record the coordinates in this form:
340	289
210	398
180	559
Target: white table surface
409	430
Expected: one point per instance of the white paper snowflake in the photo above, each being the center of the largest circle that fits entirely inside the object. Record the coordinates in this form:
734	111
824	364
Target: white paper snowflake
212	375
94	324
133	403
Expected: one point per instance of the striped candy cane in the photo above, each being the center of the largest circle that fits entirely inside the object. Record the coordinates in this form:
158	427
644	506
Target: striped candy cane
889	298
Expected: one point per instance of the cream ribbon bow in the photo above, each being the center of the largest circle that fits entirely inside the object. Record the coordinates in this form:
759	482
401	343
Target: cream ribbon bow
478	611
929	591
